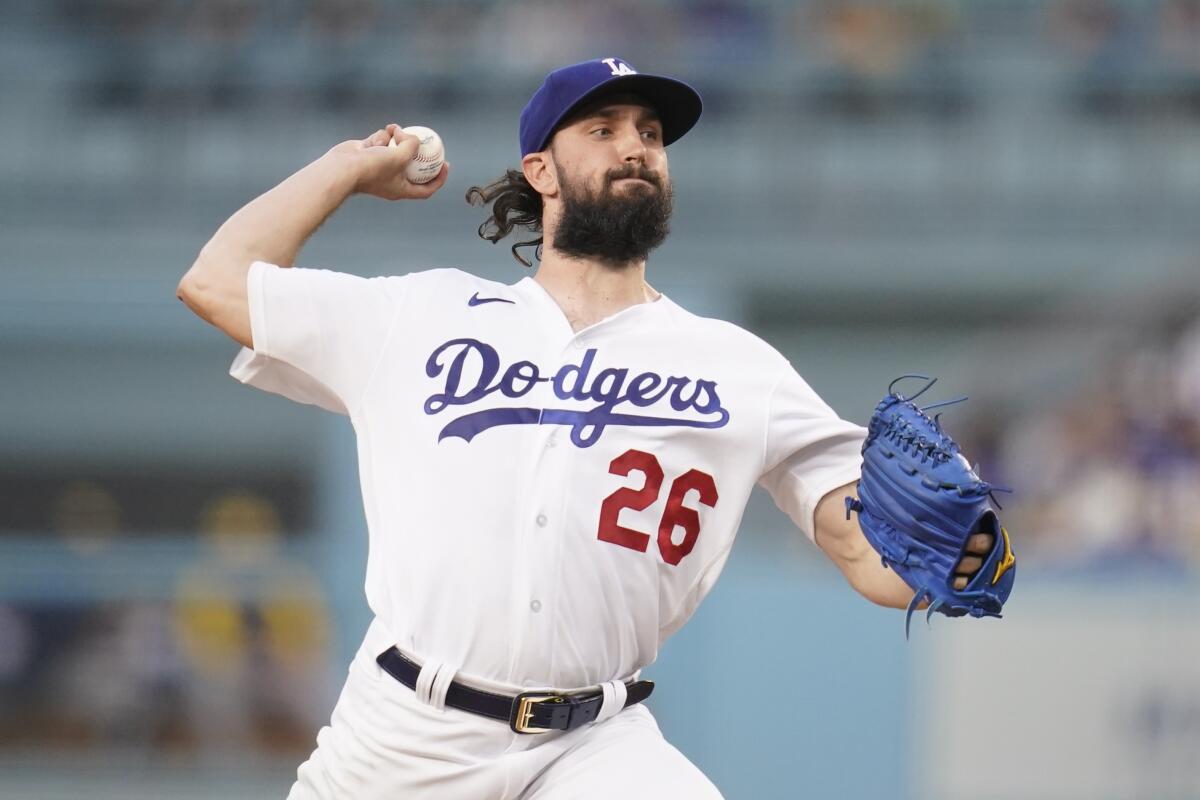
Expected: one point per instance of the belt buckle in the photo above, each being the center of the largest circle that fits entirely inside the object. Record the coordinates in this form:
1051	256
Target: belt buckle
523	711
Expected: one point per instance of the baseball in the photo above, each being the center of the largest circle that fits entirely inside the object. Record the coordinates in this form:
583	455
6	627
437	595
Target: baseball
427	163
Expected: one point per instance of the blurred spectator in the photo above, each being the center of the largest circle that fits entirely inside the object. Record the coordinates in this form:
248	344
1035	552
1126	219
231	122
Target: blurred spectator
89	675
432	24
1086	28
15	643
528	36
208	62
867	39
1110	45
724	32
888	56
120	35
253	630
1179	43
340	45
120	681
16	659
86	515
1179	32
1111	476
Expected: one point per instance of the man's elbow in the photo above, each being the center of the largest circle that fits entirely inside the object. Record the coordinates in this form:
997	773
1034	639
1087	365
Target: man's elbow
191	289
218	298
213	264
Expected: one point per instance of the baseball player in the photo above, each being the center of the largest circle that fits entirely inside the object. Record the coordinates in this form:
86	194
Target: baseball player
552	470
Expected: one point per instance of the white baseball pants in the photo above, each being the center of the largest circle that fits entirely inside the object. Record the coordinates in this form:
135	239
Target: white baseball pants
382	742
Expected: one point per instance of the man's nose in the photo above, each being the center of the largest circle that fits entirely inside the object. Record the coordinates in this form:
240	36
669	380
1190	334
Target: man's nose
631	146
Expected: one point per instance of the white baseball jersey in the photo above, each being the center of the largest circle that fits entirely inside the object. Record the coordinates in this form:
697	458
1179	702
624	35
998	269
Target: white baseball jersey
545	506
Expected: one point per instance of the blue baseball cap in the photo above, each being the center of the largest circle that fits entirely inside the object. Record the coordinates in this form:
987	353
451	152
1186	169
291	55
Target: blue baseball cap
567	88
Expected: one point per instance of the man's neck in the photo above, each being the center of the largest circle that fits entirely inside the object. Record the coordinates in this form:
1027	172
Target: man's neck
588	291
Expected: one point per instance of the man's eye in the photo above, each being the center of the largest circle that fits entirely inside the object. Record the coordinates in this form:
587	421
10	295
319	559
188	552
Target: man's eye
653	134
601	130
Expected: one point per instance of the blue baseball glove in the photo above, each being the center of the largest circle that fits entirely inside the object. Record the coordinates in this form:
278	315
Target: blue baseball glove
919	502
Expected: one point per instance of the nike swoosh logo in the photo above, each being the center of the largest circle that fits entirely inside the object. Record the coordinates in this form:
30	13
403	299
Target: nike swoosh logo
476	300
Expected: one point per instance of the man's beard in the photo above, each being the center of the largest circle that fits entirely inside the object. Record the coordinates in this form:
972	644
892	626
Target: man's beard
614	228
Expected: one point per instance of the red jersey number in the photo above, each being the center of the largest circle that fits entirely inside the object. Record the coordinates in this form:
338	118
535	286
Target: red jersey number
637	499
676	515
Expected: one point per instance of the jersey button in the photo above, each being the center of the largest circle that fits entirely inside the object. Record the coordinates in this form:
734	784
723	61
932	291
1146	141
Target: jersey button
535	606
541	520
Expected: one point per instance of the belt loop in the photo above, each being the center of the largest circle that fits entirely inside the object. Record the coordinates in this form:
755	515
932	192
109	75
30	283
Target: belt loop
441	685
615	693
425	680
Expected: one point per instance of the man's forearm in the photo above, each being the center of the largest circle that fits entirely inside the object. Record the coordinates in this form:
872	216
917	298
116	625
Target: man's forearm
843	541
274	226
880	585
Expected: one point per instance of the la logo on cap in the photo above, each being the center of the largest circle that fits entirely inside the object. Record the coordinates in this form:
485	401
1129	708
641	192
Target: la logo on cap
619	67
566	88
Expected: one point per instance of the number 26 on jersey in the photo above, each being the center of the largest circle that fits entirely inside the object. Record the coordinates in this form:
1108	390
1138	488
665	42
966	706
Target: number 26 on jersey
676	515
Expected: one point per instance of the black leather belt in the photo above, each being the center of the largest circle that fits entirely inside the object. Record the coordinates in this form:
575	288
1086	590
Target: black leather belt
528	712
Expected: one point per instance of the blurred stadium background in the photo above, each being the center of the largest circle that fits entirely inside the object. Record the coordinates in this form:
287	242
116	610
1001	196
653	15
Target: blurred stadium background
1003	194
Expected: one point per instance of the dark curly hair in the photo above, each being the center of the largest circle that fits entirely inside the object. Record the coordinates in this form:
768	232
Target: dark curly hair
514	204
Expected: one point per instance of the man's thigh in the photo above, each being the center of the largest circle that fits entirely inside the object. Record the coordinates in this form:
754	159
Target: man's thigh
625	757
383	744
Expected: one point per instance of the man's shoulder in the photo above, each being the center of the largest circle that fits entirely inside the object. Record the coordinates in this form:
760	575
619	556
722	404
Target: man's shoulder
444	283
725	335
437	278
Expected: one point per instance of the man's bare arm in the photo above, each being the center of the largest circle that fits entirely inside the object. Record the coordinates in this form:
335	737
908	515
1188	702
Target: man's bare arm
274	226
843	541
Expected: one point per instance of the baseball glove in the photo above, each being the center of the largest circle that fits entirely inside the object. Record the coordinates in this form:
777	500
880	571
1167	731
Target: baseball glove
919	501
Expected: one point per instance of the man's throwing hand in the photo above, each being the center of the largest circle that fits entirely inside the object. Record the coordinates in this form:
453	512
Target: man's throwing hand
380	169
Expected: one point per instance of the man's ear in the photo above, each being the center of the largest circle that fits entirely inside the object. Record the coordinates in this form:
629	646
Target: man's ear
540	172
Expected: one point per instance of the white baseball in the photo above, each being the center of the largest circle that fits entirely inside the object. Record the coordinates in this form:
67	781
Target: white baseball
427	163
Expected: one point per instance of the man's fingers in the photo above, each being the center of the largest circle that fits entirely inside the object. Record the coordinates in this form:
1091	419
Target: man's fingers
396	137
377	139
980	543
385	170
391	135
969	565
422	190
405	144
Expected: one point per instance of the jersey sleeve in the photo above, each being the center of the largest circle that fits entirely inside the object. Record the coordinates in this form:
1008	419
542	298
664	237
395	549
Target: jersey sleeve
809	451
330	326
281	378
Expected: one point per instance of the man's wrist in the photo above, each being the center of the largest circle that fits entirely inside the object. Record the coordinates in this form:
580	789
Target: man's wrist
342	171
